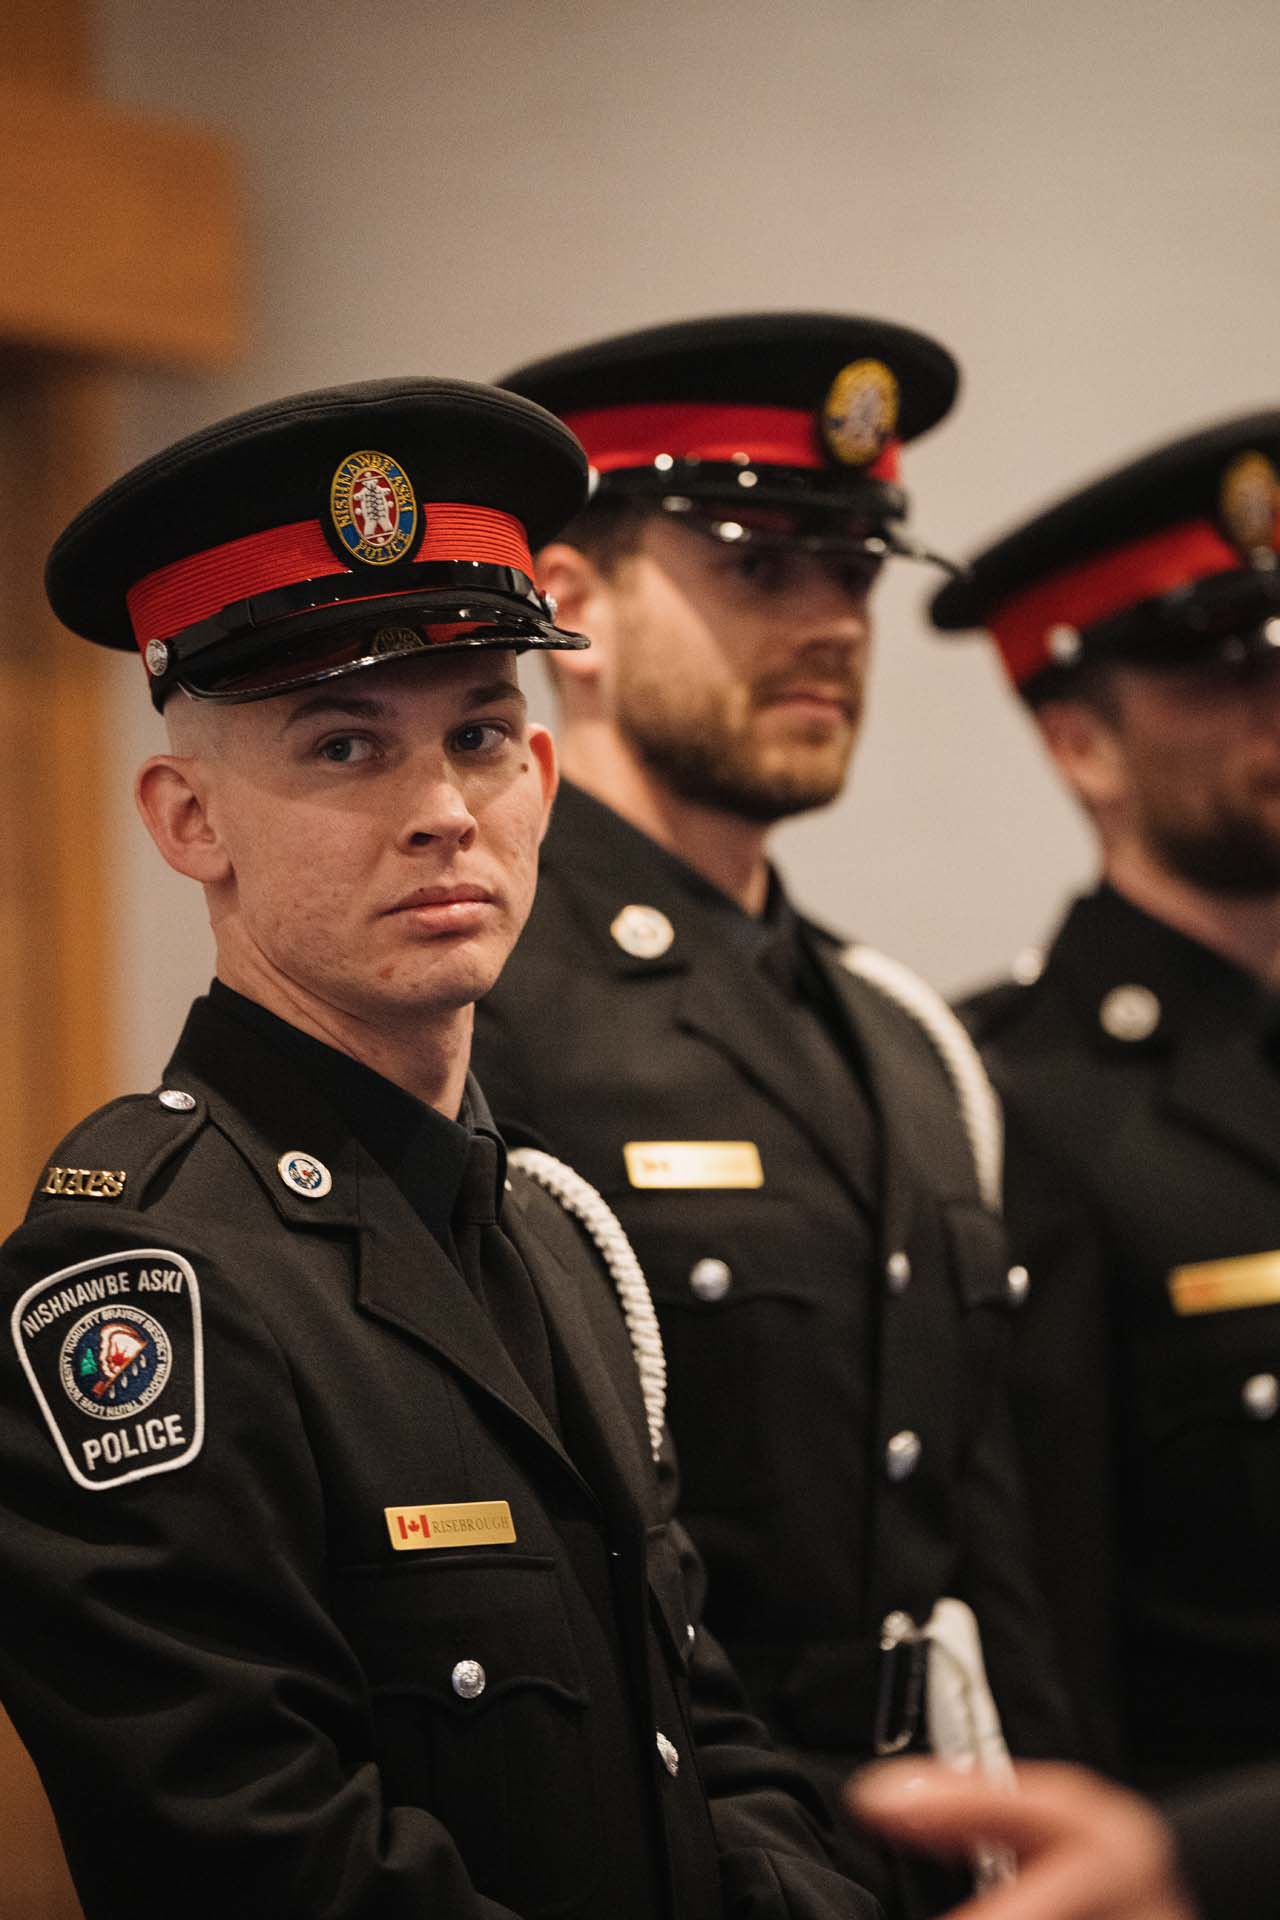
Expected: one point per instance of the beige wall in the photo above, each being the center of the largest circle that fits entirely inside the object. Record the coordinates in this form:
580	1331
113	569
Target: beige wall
1081	200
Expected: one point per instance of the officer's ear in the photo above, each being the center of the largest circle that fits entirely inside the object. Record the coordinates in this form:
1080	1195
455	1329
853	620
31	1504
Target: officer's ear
172	795
584	598
1085	745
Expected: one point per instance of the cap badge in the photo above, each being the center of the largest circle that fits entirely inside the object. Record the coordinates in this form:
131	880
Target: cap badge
373	508
860	412
643	932
1248	501
304	1174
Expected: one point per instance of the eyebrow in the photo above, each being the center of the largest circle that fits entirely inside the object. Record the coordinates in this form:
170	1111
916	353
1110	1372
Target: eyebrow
357	706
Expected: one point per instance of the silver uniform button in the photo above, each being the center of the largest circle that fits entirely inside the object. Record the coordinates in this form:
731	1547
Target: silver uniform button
897	1271
710	1279
690	1633
1063	644
669	1754
1019	1284
1130	1012
902	1454
643	932
468	1679
1261	1396
175	1100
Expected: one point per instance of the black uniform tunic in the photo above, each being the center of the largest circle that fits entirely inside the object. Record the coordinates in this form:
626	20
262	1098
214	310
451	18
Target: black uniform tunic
244	1366
1142	1096
834	1335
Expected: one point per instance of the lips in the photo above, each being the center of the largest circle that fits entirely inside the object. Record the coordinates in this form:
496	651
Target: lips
442	897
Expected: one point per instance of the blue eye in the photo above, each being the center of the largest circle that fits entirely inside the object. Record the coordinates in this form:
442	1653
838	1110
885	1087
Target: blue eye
346	749
479	736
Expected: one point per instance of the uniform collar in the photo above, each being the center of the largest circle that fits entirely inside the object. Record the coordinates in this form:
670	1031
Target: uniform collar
627	867
299	1095
1107	944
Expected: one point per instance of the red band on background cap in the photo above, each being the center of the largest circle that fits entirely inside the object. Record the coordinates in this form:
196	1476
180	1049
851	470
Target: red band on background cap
634	436
1079	596
166	602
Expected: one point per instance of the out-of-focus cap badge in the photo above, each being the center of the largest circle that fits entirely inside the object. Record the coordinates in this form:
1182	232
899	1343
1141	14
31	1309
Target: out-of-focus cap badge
643	932
860	412
1248	501
373	508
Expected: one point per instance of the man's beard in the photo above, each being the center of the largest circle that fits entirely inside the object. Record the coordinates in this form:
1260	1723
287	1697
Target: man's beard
703	756
1235	854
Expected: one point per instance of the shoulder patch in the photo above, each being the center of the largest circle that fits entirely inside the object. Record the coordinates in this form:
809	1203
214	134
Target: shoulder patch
113	1350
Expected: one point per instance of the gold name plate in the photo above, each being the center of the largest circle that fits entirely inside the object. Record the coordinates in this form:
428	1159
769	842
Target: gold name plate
1218	1286
469	1523
693	1163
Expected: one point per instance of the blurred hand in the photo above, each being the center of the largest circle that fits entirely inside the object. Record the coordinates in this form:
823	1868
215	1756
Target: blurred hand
1086	1850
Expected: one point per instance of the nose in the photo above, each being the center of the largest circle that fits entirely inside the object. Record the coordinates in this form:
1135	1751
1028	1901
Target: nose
436	811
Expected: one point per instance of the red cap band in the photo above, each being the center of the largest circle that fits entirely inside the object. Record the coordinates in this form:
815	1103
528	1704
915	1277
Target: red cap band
1108	583
182	594
635	436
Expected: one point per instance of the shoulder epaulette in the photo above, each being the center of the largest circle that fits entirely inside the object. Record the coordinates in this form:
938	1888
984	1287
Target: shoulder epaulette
116	1152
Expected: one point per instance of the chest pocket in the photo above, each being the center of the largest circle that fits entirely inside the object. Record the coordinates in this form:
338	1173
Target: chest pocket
762	1302
479	1701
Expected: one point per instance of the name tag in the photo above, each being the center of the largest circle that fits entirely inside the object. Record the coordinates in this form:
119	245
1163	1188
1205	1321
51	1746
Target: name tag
693	1163
467	1523
1219	1286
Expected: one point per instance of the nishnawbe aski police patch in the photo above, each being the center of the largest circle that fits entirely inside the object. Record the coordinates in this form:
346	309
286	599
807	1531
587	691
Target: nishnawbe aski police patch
113	1350
373	508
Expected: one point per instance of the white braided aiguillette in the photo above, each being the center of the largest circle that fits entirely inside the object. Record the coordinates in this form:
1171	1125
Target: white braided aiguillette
578	1197
979	1104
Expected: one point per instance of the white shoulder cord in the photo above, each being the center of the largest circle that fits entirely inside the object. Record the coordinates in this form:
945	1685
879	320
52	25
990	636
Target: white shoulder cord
578	1197
979	1103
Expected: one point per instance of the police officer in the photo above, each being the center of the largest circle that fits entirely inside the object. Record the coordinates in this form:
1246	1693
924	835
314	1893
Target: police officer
1140	620
337	1581
774	1119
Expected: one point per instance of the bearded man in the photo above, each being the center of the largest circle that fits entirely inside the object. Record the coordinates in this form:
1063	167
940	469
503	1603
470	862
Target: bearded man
779	1133
1140	619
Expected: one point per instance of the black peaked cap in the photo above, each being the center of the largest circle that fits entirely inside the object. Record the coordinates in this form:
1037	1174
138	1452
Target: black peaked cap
274	465
765	359
1180	481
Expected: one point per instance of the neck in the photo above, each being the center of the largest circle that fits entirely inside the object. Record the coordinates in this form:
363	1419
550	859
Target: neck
723	847
427	1055
1244	929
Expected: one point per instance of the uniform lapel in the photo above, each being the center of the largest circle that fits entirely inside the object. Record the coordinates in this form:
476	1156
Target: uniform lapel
604	1423
727	1003
894	1094
1221	1085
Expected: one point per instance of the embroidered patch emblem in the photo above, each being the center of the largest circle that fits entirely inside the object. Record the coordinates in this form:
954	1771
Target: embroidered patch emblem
113	1350
304	1174
373	508
860	412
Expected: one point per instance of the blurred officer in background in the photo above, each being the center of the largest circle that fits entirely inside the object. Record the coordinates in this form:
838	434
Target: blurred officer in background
1140	619
774	1118
337	1581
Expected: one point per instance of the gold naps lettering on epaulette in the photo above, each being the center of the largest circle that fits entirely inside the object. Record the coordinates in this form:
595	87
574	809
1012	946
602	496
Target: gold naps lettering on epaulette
89	1183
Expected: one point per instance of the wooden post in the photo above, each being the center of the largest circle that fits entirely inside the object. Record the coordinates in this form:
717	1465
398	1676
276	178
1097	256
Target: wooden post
120	244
